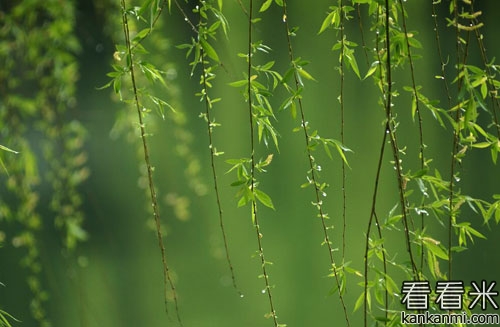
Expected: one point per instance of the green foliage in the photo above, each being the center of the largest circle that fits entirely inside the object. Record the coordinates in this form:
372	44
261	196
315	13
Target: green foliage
245	182
141	99
430	217
4	148
4	319
203	51
38	50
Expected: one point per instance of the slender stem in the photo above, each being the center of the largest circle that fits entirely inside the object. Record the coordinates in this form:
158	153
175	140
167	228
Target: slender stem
168	282
491	85
461	57
186	18
312	168
342	138
440	53
392	138
252	170
448	95
419	117
373	215
362	33
342	128
208	106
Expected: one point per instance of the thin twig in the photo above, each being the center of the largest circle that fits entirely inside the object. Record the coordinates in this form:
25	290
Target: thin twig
154	201
393	140
373	214
448	96
456	135
208	106
317	192
342	128
419	117
492	89
252	170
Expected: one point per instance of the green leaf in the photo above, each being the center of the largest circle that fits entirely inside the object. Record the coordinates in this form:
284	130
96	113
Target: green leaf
238	183
239	83
351	60
382	319
484	90
481	145
434	247
458	249
151	72
329	20
471	231
209	50
235	161
359	301
264	198
2	147
146	4
433	264
352	270
117	85
247	196
420	173
341	149
494	152
267	65
390	285
266	5
3	319
243	200
305	74
372	69
304	185
142	34
413	107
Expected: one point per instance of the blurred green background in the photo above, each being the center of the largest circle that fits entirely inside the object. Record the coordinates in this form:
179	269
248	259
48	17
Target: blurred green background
115	278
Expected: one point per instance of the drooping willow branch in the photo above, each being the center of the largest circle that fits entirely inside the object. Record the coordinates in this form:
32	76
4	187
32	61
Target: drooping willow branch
440	54
416	99
342	125
159	11
448	97
373	216
373	212
487	67
203	52
168	281
313	167
208	107
390	130
255	218
386	86
461	59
